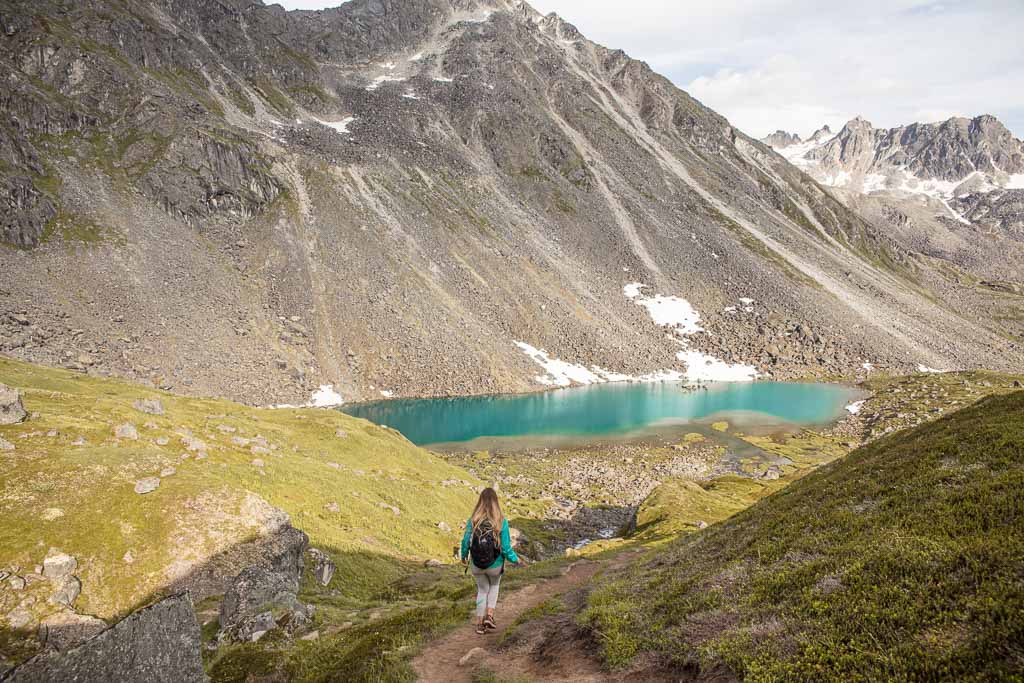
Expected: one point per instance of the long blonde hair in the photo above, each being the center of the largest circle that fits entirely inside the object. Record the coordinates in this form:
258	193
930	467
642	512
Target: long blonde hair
487	507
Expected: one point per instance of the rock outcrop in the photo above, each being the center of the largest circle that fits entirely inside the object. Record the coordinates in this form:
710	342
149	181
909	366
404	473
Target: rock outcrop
781	139
12	411
265	595
158	644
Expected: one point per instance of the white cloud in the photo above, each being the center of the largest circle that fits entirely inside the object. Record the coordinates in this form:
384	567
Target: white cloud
798	64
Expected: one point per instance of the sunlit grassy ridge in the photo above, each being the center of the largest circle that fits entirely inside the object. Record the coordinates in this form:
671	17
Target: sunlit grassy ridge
81	498
904	560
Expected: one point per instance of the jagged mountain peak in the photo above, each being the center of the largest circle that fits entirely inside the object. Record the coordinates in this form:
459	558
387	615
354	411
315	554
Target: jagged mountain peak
780	139
937	159
822	134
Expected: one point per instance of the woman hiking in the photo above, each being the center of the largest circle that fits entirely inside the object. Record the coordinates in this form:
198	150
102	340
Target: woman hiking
486	545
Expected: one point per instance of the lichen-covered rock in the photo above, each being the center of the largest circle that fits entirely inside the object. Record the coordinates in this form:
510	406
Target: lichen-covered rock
147	485
57	564
150	406
68	590
11	409
126	431
272	583
159	644
65	630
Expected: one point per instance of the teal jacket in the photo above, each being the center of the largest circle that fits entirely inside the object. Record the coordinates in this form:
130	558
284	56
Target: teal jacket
506	545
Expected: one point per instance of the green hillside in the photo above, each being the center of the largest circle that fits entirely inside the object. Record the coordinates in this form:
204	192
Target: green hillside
902	561
362	493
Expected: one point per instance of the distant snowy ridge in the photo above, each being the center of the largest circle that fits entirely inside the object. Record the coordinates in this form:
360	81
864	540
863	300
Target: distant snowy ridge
941	160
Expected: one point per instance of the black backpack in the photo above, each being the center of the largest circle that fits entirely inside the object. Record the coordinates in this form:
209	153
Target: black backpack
484	546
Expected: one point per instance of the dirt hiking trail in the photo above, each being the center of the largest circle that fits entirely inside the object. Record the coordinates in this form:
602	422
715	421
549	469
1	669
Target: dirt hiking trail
455	658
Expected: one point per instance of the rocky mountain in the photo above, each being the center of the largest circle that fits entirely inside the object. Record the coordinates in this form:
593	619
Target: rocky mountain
941	159
424	197
781	139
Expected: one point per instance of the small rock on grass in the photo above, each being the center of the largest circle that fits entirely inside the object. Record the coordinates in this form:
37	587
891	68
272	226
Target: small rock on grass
19	618
126	431
167	471
341	434
69	590
147	485
150	406
58	564
443	526
162	441
6	445
50	514
312	635
80	441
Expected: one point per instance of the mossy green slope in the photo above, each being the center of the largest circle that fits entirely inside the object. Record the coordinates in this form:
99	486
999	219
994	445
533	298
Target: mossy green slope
361	492
902	561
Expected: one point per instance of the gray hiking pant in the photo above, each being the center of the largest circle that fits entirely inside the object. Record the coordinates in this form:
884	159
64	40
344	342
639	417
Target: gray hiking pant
487	582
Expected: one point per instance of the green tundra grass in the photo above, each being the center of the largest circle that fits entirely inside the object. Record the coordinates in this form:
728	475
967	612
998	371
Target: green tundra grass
343	491
902	561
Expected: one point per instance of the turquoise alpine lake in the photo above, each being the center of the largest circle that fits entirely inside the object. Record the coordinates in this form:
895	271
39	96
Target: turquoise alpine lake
607	410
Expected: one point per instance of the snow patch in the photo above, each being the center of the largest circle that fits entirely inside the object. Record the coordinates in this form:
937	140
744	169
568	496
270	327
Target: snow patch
837	179
672	311
1015	182
326	397
632	290
386	394
410	95
855	407
677	313
379	80
563	374
701	367
873	182
926	369
444	79
339	126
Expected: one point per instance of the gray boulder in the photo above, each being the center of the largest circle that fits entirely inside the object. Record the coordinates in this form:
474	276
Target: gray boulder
274	584
126	431
11	409
57	565
147	485
67	592
159	644
150	406
65	630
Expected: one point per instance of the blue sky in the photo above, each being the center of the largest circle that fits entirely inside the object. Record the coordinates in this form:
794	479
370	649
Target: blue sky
798	64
